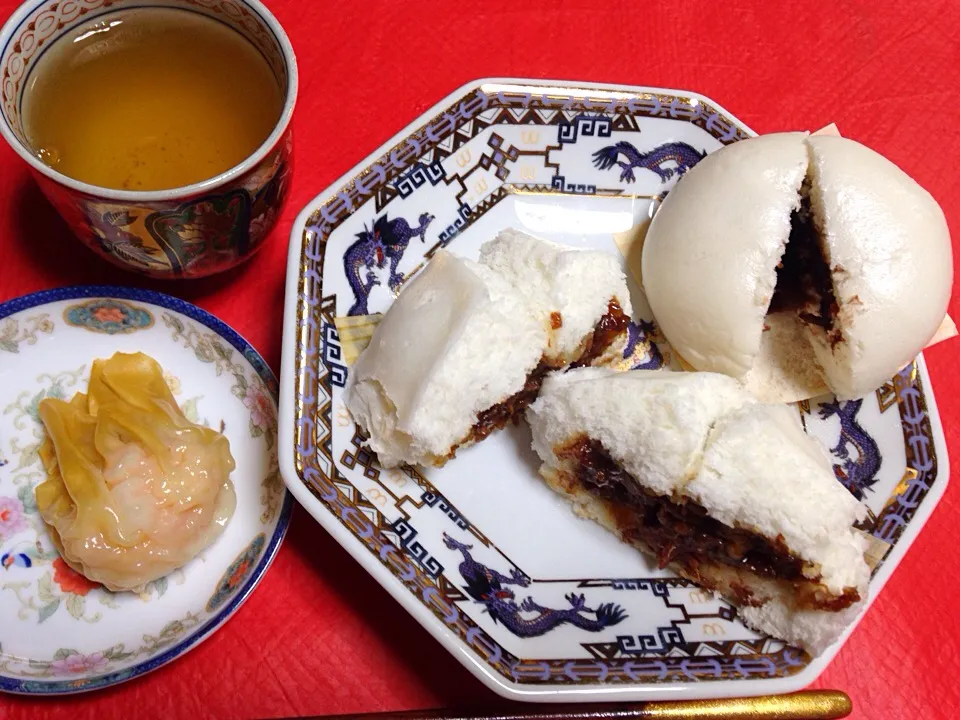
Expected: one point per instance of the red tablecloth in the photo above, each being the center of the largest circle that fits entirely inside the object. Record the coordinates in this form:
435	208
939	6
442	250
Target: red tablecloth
319	636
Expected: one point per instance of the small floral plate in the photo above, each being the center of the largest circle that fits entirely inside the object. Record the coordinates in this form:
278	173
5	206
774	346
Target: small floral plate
59	632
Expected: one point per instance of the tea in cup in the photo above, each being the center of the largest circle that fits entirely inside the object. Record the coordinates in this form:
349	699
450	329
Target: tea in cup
161	132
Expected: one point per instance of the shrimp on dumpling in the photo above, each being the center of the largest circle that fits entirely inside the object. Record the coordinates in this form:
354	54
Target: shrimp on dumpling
134	490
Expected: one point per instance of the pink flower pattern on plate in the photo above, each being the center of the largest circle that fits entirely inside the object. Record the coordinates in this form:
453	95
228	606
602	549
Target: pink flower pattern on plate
109	315
12	519
262	412
77	664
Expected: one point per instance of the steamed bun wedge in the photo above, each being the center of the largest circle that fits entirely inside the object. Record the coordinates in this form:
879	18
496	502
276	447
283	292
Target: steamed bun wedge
727	492
464	347
582	293
446	364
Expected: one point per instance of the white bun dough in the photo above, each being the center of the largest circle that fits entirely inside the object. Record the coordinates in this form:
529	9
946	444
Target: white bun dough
577	283
458	339
888	245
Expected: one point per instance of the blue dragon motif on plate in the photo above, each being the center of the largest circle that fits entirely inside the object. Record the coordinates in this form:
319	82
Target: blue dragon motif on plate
684	156
489	587
860	473
386	241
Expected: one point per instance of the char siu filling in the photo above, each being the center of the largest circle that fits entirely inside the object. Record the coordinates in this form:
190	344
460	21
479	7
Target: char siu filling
613	322
497	416
607	330
804	284
681	532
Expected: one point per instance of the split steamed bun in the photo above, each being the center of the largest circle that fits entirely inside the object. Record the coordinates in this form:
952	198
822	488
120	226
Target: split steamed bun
864	277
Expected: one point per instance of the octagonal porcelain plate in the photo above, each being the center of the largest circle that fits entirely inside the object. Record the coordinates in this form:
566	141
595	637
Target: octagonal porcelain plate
60	633
585	165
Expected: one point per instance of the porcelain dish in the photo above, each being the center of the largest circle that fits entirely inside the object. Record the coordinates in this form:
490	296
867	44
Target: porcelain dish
59	632
464	547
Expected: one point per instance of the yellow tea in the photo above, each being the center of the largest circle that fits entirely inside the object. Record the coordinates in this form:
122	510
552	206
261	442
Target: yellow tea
150	99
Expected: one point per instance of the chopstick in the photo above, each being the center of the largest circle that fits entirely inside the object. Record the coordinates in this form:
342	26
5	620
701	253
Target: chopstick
805	705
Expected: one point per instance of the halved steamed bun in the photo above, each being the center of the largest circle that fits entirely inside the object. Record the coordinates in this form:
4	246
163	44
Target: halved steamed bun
798	264
458	341
728	492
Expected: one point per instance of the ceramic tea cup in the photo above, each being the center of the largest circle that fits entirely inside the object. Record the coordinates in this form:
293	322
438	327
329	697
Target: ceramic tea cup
184	232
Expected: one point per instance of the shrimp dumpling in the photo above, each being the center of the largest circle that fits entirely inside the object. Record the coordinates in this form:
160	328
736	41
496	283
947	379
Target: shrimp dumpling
134	490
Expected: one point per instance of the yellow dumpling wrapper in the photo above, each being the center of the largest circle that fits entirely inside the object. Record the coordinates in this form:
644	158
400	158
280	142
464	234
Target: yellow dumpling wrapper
134	490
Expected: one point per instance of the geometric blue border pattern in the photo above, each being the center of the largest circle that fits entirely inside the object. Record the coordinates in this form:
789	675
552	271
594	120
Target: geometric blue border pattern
37	687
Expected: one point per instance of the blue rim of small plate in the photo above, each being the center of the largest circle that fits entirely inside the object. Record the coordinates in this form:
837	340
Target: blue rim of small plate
79	292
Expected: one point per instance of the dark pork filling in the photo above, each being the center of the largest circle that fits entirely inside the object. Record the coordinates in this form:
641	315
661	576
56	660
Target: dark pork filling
606	331
608	328
509	410
804	285
682	533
